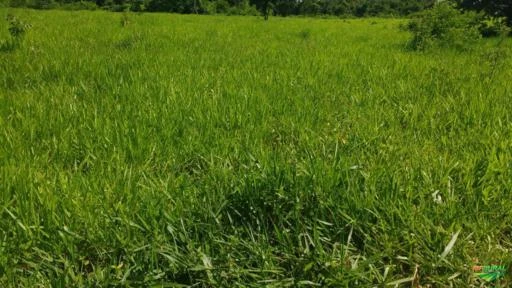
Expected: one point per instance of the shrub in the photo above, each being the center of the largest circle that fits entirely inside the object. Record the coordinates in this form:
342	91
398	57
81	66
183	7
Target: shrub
443	25
44	4
17	30
493	27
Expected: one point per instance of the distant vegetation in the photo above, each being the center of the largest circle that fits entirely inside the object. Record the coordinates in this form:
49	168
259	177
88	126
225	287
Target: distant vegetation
445	25
275	7
491	18
346	8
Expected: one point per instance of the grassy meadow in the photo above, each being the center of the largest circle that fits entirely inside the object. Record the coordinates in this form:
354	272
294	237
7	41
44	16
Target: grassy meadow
214	151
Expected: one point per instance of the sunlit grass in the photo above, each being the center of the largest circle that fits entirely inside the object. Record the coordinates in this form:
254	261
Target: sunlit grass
229	151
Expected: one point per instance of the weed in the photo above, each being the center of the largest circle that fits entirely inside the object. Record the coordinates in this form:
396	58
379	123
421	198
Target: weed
17	30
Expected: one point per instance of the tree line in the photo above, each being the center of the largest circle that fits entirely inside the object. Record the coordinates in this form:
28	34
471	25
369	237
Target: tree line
349	8
294	7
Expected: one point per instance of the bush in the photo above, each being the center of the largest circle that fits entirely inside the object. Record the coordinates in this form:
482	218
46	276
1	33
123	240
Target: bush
444	25
493	27
17	30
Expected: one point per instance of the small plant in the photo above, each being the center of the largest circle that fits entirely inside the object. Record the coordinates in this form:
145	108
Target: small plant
77	6
17	30
138	6
443	25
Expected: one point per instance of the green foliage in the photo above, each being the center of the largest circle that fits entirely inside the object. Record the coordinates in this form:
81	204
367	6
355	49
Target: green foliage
493	8
81	5
17	30
138	5
310	7
18	3
444	25
243	8
248	7
492	27
221	6
44	4
187	151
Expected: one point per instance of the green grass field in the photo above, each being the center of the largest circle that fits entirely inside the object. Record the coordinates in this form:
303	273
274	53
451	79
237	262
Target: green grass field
214	151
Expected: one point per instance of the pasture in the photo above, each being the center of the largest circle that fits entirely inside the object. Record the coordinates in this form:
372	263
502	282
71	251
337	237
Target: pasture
211	151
